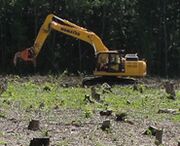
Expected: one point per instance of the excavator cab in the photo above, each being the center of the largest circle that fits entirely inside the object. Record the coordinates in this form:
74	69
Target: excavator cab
108	61
112	63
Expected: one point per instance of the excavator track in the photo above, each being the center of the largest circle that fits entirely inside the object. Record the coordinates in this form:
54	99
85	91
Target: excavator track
89	81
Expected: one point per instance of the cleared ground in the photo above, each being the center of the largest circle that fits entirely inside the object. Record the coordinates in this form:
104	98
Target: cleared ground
59	103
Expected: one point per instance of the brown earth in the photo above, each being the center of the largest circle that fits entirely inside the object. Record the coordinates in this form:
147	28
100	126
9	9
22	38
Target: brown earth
69	127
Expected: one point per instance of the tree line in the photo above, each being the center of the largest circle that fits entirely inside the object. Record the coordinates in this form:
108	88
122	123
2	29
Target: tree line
150	28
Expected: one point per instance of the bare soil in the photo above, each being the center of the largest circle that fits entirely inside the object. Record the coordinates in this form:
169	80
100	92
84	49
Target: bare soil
70	127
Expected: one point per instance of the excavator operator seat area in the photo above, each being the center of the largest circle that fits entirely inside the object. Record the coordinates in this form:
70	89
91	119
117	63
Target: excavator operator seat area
109	62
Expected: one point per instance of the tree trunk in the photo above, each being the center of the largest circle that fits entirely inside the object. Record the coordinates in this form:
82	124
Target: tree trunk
165	38
39	142
159	134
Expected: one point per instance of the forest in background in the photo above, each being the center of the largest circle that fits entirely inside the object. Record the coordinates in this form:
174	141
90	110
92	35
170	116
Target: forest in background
150	28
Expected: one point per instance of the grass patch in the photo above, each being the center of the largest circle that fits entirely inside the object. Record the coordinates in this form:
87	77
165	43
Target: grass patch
123	98
3	142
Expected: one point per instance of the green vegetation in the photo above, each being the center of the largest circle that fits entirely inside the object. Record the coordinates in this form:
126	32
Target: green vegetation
62	143
3	142
31	96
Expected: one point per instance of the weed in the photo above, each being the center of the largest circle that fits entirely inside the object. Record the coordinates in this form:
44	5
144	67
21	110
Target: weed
2	115
64	142
3	142
87	112
45	133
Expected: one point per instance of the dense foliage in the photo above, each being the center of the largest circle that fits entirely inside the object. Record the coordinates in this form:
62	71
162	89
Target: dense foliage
150	28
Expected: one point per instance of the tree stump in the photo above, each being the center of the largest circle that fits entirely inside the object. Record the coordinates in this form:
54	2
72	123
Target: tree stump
87	99
135	87
158	135
169	88
151	131
95	95
47	88
106	88
33	125
106	113
41	105
128	102
3	86
40	142
168	111
105	125
121	117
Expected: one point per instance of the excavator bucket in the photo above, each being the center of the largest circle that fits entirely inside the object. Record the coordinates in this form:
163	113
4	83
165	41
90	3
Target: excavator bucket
26	55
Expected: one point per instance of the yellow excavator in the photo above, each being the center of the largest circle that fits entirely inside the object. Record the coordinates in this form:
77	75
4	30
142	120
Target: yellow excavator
110	65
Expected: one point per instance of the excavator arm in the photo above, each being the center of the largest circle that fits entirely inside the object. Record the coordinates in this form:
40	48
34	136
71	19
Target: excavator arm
53	22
